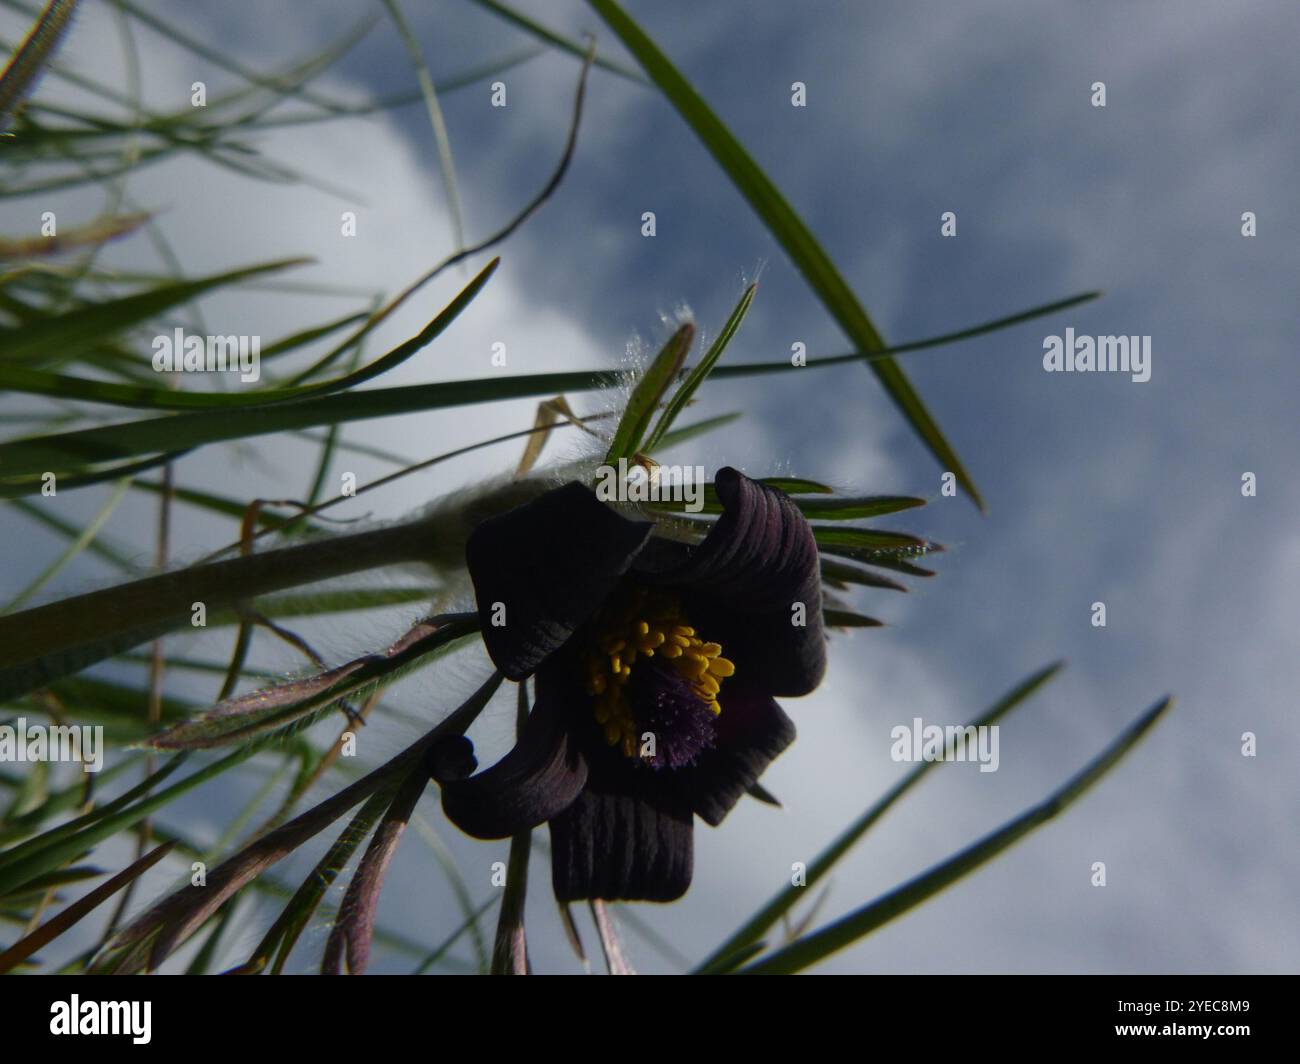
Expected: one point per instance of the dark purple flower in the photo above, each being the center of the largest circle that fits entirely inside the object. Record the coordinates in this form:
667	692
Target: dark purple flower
656	664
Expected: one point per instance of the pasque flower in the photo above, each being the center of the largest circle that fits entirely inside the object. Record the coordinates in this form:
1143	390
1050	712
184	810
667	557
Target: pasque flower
656	665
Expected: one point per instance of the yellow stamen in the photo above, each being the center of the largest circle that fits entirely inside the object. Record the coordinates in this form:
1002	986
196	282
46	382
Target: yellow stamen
638	623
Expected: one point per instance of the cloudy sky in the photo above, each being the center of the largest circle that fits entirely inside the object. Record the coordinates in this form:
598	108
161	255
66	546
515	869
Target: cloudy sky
1099	489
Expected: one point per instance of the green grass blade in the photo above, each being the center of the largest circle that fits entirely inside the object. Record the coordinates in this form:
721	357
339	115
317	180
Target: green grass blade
112	553
783	902
284	933
857	508
647	393
842	508
25	65
789	230
65	336
54	451
430	94
848	929
61	832
276	708
833	618
754	369
48	858
467	924
699	428
56	386
73	549
528	25
699	373
221	58
78	910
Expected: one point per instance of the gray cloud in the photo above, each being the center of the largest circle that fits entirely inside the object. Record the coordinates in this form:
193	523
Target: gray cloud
1099	489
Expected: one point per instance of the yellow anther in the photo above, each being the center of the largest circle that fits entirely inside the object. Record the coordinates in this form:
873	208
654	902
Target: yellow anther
640	622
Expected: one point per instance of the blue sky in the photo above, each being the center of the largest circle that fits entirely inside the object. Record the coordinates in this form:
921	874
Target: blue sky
1098	488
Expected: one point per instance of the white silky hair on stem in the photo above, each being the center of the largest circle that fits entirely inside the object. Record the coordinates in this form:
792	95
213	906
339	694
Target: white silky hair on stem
65	636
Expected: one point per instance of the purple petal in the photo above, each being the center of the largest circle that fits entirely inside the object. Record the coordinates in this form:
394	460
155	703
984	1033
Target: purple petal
538	778
627	837
744	582
543	569
751	732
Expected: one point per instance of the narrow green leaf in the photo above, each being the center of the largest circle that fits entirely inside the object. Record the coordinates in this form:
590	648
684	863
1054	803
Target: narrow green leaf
861	922
73	549
848	619
786	899
539	31
310	335
48	858
467	924
78	910
646	395
152	936
789	230
62	801
62	832
274	708
871	539
845	508
857	508
283	935
55	451
221	57
711	504
430	95
66	336
700	372
15	489
752	369
57	386
30	57
114	554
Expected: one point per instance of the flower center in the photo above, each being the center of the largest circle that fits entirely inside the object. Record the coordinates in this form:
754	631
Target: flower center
665	714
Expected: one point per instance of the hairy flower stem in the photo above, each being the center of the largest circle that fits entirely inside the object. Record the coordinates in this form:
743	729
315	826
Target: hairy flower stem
42	644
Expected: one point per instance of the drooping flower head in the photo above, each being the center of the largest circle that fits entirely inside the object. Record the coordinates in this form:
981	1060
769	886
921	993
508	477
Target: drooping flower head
656	665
